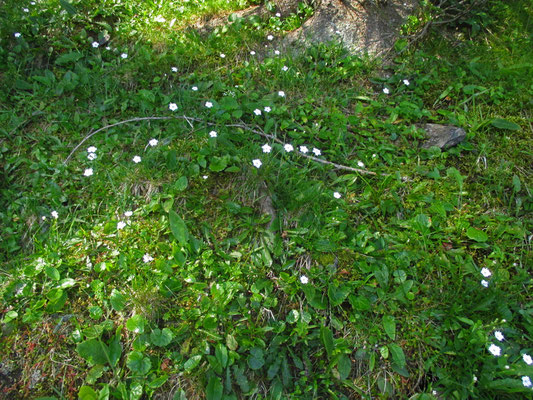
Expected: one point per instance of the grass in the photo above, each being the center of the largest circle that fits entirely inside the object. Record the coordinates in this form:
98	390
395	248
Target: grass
205	291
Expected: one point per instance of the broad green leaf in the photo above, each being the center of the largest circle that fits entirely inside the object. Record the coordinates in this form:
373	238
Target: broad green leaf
476	234
10	316
360	303
231	342
389	324
256	359
136	324
69	8
192	362
93	350
95	312
161	337
87	393
158	382
293	316
398	357
52	273
138	363
182	183
179	395
115	349
68	57
117	300
178	228
214	389
218	164
241	379
94	374
327	339
344	366
136	391
221	353
337	294
504	124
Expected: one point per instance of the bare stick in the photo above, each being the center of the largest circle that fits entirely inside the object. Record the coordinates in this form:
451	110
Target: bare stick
256	130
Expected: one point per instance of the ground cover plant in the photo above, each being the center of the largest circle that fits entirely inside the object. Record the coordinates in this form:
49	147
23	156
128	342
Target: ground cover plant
189	216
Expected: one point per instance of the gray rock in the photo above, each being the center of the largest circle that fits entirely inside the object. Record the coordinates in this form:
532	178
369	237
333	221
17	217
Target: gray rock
443	136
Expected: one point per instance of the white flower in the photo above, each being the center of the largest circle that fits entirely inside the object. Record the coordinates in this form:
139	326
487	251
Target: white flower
136	159
172	106
374	155
194	88
495	350
434	392
43	217
270	37
507	367
267	109
337	195
475	378
526	381
386	90
91	149
159	18
153	142
276	52
278	15
304	279
288	148
285	68
406	82
252	53
257	111
316	151
17	34
257	163
88	172
124	55
527	359
222	55
205	177
266	148
281	93
360	164
486	272
91	156
174	69
484	283
208	104
213	134
498	335
108	48
120	225
95	44
128	214
54	214
147	258
26	10
304	149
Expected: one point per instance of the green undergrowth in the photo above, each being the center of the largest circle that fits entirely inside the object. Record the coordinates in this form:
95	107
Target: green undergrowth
182	258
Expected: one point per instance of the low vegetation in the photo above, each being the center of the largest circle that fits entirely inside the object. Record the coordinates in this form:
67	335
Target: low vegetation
173	225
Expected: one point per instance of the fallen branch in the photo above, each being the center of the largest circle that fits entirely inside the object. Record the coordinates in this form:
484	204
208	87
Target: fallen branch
256	130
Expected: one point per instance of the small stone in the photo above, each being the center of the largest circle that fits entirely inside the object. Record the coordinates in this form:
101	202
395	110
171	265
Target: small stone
443	136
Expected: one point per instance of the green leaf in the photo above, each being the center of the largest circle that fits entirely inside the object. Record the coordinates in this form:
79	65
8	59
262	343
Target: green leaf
389	324
179	395
214	389
218	164
136	391
398	357
293	316
138	363
158	382
256	359
221	354
337	294
87	393
68	57
10	316
136	324
117	300
94	374
476	234
327	339
178	228
231	342
68	7
52	273
504	124
115	349
93	350
160	337
181	184
192	362
344	366
241	379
